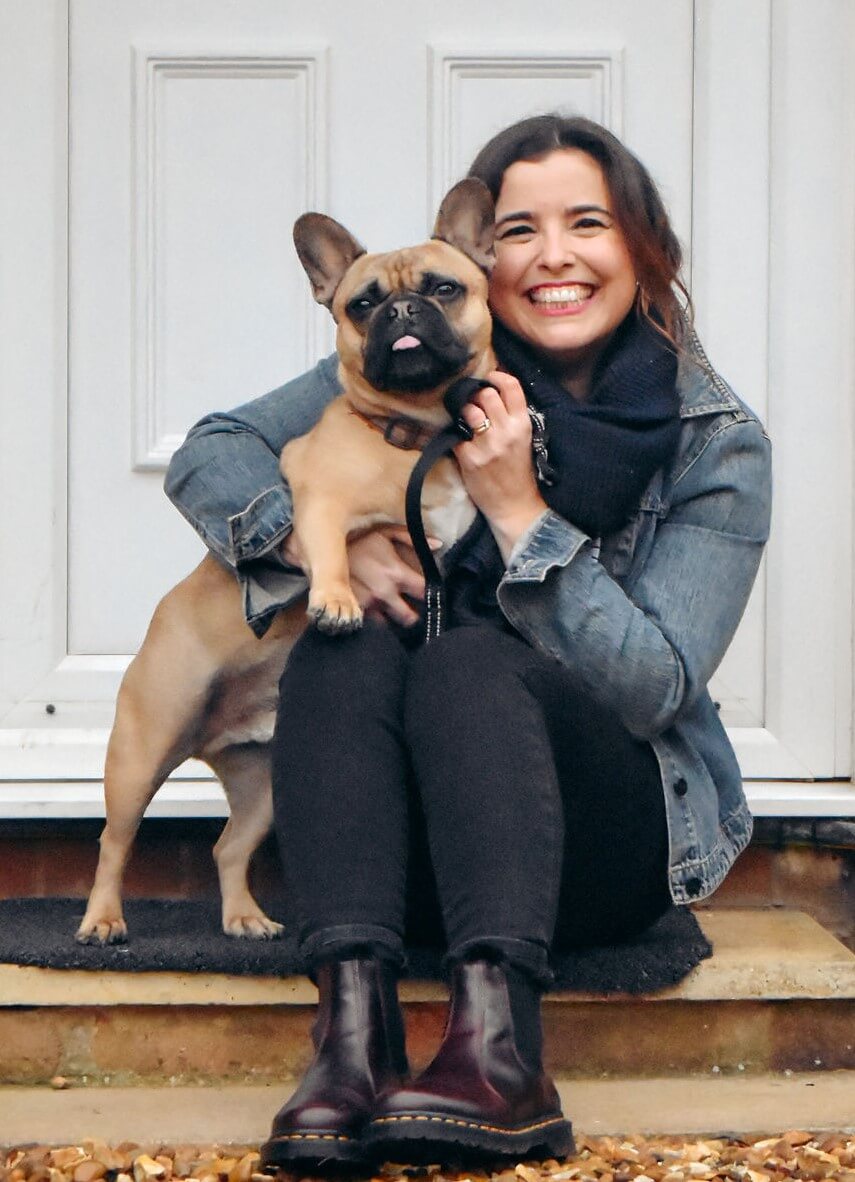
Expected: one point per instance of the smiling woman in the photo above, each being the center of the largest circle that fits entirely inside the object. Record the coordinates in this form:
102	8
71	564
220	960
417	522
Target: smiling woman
550	772
589	222
564	278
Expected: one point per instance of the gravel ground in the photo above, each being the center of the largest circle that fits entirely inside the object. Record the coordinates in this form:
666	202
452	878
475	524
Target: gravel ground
790	1155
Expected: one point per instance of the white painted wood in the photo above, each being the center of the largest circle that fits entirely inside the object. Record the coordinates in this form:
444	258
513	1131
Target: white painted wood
47	800
825	798
75	753
204	798
730	201
33	331
206	127
184	288
812	207
730	237
767	124
474	96
778	73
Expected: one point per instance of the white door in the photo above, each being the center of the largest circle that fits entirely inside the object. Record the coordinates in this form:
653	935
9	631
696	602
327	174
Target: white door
198	131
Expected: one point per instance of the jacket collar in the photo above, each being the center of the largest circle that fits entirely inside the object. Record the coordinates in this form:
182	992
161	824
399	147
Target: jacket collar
701	390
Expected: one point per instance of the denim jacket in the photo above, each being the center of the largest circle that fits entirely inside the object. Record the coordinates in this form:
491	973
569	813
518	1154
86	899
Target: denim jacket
640	622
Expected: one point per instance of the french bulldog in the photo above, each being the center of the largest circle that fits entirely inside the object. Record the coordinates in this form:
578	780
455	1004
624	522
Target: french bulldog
409	323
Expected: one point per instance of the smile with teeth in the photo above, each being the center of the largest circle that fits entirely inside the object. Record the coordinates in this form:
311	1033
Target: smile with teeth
574	293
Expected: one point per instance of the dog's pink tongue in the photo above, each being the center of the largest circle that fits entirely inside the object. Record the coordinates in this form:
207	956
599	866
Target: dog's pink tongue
406	343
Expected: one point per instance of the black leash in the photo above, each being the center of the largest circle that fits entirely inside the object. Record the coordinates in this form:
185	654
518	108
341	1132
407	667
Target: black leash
456	397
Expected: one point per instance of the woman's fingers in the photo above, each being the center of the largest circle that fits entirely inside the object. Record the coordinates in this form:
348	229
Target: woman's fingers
504	393
509	390
476	418
394	607
381	578
502	405
496	463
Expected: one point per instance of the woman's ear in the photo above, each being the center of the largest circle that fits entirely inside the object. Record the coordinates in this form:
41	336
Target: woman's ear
466	220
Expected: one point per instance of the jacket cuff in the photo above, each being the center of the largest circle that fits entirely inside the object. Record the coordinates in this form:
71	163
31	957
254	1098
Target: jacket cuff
268	590
261	526
550	541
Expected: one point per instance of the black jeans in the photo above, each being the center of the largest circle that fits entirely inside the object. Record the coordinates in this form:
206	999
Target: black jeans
471	764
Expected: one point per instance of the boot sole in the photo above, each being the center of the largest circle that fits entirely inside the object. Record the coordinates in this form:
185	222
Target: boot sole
431	1137
311	1149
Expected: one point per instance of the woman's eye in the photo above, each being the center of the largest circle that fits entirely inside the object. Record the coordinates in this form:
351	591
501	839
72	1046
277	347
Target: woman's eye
516	232
589	224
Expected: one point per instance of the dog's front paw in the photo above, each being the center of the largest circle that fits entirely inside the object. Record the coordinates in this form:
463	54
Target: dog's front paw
255	926
102	930
336	611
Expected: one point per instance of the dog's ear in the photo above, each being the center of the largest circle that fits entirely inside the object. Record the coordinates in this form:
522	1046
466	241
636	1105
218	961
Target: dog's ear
466	219
326	251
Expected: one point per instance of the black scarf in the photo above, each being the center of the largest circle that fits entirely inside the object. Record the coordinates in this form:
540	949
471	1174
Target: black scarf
602	452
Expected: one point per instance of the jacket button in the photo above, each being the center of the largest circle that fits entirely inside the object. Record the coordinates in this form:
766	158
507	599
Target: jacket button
693	887
681	787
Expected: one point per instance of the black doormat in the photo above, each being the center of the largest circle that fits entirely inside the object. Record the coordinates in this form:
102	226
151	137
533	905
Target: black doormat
183	936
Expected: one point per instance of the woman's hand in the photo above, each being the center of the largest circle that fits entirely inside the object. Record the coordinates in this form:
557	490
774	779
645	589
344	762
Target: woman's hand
496	464
383	568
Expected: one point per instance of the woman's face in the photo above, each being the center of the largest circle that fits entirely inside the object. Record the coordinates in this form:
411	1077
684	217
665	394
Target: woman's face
563	279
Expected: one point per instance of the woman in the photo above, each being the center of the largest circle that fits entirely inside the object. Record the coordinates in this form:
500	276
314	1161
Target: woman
556	753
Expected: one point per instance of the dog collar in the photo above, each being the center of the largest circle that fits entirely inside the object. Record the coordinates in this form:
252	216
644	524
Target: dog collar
399	430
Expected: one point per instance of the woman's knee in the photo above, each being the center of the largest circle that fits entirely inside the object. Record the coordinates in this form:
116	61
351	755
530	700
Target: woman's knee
464	653
463	671
361	663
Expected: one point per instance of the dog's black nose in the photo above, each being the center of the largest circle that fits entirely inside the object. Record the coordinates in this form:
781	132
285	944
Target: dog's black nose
402	310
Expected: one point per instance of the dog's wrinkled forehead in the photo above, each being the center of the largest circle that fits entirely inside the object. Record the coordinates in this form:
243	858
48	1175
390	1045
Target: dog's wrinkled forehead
415	269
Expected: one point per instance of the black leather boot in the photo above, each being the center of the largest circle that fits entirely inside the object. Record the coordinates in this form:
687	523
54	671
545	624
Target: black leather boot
359	1051
485	1094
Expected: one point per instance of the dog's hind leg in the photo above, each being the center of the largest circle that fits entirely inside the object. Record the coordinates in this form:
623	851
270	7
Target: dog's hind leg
157	708
245	774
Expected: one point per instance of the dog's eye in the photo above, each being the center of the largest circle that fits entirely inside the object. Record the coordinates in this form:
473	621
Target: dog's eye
447	289
360	307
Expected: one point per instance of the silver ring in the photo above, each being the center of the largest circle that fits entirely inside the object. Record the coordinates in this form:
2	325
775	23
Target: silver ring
482	427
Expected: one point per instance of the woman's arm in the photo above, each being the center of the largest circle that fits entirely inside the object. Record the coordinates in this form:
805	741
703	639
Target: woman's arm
225	480
225	477
647	652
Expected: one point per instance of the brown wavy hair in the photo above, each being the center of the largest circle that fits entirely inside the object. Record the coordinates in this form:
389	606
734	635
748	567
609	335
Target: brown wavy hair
638	209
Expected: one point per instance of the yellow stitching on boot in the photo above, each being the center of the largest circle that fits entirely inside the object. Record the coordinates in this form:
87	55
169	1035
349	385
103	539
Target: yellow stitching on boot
470	1124
311	1137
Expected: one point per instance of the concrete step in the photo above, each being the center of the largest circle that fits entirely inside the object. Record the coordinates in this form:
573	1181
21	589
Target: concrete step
778	995
240	1114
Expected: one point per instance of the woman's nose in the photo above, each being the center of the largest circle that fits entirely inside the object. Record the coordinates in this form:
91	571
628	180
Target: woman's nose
557	249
